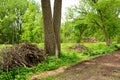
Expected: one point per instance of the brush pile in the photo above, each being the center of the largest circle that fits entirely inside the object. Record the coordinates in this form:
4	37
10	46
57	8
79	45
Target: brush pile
21	55
79	48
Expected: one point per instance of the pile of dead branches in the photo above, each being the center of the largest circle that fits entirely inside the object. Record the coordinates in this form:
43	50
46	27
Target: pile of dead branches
21	55
90	40
79	48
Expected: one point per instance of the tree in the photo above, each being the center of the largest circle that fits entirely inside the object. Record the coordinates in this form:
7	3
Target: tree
104	15
101	16
32	26
10	19
75	24
49	35
57	24
52	26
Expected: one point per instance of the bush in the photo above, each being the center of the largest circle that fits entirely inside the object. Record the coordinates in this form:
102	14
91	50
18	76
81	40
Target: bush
101	50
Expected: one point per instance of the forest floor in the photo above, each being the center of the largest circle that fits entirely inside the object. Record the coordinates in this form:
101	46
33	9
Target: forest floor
106	67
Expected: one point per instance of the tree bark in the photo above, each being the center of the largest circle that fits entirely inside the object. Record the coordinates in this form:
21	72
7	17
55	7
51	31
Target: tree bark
118	39
107	38
102	26
49	39
57	24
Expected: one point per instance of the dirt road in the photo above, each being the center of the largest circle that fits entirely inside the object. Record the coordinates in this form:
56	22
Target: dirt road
106	67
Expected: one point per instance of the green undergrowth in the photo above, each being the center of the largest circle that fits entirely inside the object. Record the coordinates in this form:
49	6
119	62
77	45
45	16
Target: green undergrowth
5	45
67	58
100	49
50	63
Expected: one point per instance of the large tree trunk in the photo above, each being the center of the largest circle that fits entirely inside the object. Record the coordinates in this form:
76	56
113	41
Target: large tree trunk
49	39
57	24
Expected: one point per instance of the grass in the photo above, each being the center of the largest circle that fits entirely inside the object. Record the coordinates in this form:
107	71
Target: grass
50	63
4	45
67	58
99	49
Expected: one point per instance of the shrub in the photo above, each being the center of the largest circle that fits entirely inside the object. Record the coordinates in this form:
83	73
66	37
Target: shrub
101	50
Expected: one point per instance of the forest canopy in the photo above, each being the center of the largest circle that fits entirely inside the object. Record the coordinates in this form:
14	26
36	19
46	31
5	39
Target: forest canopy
99	19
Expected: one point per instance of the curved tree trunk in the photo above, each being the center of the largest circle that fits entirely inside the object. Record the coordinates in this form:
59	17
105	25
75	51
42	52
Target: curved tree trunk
102	26
49	39
107	38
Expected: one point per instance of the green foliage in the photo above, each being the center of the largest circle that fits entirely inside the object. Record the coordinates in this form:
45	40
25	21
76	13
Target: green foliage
109	16
101	49
10	19
66	32
50	63
20	21
32	30
67	58
48	78
15	74
97	16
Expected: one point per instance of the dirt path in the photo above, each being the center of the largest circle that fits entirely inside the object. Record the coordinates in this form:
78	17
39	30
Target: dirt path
105	67
48	73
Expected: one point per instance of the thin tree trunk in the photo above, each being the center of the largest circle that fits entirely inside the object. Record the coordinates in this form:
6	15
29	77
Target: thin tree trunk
117	38
13	34
102	26
107	39
57	24
49	39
